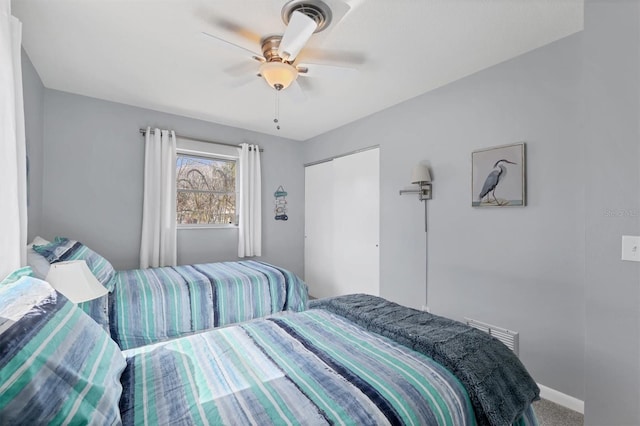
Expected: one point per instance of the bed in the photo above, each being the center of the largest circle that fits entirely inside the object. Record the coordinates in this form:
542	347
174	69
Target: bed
313	367
149	305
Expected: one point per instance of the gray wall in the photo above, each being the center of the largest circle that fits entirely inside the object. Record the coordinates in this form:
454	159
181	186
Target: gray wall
33	92
551	270
612	199
93	182
520	268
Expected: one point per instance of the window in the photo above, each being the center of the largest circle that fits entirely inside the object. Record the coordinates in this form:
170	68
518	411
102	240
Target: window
206	190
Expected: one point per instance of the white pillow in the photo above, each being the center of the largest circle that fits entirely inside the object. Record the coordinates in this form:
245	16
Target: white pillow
39	264
39	241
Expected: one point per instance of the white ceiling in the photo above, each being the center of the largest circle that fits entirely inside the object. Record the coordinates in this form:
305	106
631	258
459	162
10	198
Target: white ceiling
152	54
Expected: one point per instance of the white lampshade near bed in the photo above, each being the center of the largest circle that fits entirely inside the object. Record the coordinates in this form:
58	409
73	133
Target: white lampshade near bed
74	279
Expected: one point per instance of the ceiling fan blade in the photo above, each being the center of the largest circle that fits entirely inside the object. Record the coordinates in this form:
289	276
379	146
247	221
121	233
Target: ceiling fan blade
295	92
296	35
228	43
242	68
211	16
325	71
306	84
310	54
238	29
244	80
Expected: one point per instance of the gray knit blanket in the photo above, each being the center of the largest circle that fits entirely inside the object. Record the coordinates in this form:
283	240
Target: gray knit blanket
499	386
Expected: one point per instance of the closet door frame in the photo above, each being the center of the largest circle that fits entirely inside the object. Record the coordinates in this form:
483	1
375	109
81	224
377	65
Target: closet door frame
318	244
342	251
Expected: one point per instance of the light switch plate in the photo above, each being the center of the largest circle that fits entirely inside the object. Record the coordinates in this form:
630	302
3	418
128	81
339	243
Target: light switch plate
631	248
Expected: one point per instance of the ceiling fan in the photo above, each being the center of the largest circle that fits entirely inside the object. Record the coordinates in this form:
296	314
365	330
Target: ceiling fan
279	52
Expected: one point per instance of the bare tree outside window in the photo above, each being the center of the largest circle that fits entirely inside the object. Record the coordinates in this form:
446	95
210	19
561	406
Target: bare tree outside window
206	190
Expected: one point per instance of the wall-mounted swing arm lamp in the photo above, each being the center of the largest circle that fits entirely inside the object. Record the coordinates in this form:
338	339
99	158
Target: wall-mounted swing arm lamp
420	176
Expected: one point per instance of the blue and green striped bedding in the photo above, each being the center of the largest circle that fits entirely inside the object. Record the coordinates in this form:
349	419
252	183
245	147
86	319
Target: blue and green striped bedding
57	366
312	367
151	305
499	385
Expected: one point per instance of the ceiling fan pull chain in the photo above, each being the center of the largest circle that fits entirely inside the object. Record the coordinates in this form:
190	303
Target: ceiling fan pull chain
277	110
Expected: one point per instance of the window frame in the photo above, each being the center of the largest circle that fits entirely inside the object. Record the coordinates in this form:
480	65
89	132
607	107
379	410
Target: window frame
212	156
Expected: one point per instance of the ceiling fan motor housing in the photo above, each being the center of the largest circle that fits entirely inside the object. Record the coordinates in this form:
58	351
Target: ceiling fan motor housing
270	48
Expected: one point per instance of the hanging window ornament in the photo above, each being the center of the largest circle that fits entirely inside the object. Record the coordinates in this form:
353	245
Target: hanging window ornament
280	208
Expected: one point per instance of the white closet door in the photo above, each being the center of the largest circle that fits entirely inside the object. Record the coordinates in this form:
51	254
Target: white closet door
318	218
342	225
356	223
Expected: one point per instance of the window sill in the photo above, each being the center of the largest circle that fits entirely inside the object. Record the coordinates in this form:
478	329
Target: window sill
212	226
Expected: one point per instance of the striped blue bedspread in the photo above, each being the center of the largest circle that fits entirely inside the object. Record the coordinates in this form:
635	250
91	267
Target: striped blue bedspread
312	367
152	305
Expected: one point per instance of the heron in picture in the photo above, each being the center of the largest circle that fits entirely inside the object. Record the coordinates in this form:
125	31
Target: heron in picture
496	176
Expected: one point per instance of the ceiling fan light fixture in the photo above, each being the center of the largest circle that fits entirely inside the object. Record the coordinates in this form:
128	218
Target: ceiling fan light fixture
278	75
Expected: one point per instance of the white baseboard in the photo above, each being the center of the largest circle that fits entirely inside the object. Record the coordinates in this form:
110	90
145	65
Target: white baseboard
560	398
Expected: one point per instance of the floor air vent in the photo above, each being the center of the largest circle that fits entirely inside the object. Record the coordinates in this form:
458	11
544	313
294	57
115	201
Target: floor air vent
508	337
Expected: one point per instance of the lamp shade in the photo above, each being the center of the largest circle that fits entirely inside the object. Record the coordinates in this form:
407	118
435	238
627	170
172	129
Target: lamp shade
278	75
420	174
75	281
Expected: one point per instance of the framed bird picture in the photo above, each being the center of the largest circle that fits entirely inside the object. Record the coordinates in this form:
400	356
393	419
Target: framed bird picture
498	176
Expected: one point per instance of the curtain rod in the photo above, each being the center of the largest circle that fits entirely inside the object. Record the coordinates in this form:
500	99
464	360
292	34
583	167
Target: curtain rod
144	131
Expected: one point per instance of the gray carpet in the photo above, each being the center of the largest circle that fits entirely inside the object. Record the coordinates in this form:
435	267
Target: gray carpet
550	414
